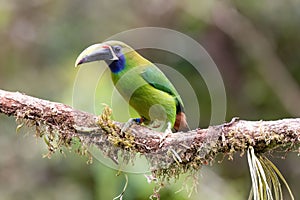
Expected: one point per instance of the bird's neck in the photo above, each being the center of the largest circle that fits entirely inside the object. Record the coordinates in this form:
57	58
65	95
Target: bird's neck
126	62
117	66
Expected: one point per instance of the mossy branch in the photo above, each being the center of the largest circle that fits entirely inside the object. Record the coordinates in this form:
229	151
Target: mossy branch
178	151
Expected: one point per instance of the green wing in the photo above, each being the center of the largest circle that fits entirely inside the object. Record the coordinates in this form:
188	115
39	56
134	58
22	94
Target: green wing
156	78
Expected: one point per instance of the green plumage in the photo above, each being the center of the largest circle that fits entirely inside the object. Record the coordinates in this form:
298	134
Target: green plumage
140	82
147	89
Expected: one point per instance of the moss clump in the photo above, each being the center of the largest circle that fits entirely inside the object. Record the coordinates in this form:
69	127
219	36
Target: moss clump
56	140
118	138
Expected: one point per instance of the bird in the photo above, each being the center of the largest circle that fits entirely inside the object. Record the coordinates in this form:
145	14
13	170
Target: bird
141	83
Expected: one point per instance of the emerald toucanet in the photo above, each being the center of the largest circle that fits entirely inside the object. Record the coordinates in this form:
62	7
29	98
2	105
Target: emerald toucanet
140	82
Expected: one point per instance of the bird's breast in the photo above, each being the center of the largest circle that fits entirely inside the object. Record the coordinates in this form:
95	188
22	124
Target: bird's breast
149	102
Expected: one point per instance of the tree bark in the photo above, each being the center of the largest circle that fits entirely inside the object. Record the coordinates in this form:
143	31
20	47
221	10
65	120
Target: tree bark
180	151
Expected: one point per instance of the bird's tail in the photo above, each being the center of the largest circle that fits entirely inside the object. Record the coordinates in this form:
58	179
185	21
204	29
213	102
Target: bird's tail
181	123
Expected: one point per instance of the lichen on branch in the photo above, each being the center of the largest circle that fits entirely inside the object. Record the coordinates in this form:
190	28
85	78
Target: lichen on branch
62	126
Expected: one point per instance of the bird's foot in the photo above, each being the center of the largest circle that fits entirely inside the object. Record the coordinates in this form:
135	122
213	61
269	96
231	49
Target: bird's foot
168	129
165	134
155	124
130	122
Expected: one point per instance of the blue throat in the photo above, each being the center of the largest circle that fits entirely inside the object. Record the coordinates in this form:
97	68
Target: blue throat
117	65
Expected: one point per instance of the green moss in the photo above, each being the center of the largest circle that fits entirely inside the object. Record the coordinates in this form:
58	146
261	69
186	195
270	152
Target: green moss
55	140
124	140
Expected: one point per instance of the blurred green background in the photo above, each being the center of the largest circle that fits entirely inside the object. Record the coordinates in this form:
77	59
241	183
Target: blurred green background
255	45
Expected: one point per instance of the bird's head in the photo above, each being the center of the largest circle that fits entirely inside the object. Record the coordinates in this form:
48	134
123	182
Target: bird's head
112	52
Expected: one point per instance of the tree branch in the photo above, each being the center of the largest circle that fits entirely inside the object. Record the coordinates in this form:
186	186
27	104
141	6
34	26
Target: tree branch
178	151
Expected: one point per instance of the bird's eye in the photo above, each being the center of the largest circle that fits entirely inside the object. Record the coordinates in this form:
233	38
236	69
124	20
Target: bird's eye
117	49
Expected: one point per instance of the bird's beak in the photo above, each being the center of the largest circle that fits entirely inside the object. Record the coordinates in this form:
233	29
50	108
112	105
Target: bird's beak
96	52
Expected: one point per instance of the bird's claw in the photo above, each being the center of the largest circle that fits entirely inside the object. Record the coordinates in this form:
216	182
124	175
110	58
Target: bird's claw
129	123
165	134
233	120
